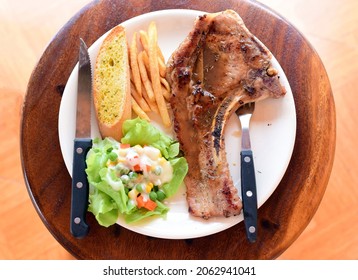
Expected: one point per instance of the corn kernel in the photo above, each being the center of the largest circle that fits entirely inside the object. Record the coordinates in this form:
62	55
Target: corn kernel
133	194
148	187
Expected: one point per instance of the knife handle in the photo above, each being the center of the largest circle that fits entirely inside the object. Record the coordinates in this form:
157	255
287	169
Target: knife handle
80	188
249	195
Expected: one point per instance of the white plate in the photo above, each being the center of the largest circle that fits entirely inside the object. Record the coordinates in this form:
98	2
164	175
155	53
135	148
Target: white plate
273	131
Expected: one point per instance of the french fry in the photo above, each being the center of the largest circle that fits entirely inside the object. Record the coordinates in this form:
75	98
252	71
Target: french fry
148	66
165	83
143	36
161	61
146	61
154	74
160	54
165	93
138	110
134	64
144	76
162	68
152	105
139	99
144	40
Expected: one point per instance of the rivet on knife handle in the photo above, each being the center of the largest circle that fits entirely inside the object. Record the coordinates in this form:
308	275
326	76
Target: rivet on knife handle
249	196
80	188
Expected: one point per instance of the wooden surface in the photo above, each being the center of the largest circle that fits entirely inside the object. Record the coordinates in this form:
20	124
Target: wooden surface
332	232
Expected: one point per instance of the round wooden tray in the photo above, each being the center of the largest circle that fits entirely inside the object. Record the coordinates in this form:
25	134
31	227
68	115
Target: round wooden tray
281	219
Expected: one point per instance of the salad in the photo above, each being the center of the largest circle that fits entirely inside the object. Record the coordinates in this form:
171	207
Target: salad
133	177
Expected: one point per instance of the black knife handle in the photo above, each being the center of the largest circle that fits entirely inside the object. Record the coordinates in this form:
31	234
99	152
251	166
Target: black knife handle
80	188
248	193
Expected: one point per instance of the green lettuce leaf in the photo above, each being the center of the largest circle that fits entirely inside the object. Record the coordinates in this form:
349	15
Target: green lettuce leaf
180	168
118	196
103	208
141	132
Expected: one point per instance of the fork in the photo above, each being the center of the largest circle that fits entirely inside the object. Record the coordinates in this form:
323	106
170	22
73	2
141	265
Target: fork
248	181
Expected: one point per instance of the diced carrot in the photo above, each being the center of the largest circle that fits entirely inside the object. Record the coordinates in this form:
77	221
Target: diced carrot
136	167
148	168
124	146
140	201
149	204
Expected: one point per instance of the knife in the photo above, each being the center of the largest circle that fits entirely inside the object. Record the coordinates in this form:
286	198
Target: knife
82	143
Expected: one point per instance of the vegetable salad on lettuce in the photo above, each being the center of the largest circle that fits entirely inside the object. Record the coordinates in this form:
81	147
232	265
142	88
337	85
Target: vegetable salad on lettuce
133	177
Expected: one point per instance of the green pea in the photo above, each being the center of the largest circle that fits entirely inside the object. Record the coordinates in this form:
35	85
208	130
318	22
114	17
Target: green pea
139	187
153	196
113	156
132	175
124	170
125	179
161	195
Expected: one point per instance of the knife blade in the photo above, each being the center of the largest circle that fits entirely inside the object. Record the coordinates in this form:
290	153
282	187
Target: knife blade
82	143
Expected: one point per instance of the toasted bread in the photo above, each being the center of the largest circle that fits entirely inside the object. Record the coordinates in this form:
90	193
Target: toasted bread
111	85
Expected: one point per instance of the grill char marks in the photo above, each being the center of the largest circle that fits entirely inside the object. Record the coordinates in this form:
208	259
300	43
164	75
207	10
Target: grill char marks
218	67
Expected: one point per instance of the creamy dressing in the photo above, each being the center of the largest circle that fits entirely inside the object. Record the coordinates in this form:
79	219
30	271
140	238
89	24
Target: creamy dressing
139	169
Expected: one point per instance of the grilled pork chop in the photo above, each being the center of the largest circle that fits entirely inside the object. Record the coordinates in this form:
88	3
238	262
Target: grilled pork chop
219	67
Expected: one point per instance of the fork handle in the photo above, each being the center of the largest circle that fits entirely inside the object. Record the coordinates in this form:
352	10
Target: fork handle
248	194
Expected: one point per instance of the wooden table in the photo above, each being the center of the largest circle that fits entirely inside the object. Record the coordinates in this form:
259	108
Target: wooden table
281	219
